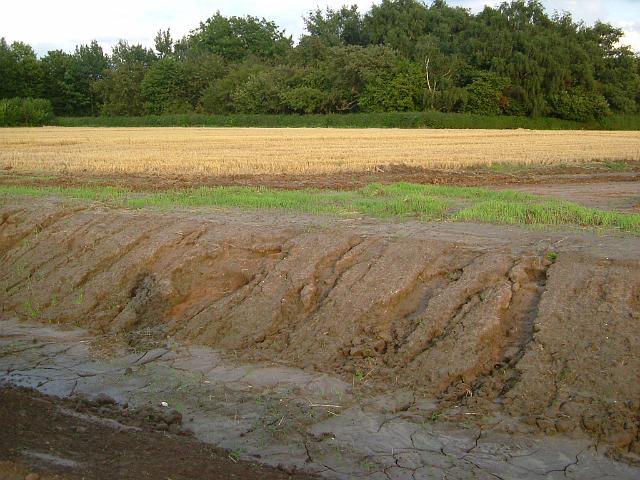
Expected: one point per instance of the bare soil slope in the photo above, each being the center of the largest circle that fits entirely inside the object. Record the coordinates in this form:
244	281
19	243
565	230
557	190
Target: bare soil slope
490	321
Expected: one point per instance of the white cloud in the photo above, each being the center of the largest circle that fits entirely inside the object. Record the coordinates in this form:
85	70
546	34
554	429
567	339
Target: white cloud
632	33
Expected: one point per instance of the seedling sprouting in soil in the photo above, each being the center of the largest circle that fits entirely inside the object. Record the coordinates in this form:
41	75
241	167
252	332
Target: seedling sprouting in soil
79	299
32	310
235	455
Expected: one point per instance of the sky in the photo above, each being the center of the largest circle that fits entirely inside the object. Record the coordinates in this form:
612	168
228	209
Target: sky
63	24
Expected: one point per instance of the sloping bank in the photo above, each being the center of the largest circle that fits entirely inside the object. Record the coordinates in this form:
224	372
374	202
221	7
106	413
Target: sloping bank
540	326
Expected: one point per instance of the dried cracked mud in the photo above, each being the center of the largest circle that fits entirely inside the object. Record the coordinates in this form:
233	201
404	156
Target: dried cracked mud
341	348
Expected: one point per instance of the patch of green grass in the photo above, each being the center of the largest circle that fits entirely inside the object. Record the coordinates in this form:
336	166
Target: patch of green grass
95	194
399	200
447	192
617	166
513	168
549	212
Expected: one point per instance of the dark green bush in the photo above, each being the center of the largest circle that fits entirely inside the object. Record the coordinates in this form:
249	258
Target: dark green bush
19	112
485	94
304	99
579	105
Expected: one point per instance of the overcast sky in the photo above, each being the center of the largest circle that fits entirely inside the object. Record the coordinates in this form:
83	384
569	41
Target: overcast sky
51	24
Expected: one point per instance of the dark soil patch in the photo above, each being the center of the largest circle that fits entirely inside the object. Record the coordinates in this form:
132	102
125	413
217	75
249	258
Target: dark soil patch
41	436
591	173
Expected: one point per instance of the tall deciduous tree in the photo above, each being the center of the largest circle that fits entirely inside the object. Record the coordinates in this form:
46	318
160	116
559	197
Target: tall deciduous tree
57	85
121	87
236	38
163	88
89	65
20	72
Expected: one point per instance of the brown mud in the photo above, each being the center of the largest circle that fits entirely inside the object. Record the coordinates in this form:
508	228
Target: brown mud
54	439
263	412
536	175
618	196
543	327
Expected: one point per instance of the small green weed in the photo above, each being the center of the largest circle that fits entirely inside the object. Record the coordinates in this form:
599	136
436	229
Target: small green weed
79	299
32	310
617	166
235	455
368	466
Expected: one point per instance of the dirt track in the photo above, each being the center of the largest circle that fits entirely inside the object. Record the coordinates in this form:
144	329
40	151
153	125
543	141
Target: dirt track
479	316
589	174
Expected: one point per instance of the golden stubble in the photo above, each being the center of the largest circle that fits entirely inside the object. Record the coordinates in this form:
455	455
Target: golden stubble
238	151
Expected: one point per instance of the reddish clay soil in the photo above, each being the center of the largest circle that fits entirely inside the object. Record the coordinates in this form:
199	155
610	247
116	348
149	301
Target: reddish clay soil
587	174
44	437
544	327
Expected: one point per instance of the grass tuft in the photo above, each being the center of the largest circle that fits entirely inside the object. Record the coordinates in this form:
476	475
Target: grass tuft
550	212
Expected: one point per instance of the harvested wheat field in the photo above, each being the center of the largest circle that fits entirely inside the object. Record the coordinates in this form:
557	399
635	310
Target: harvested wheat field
240	151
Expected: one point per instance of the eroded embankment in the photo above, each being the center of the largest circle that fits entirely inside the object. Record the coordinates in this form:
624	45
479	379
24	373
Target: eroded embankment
554	342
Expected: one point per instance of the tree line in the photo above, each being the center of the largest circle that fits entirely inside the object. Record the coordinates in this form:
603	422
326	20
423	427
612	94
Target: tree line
401	55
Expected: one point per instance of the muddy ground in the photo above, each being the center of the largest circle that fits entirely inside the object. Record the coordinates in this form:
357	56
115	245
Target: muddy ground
297	420
593	173
617	196
77	439
494	329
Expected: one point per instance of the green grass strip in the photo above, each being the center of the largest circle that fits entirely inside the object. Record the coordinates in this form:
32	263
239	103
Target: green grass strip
400	200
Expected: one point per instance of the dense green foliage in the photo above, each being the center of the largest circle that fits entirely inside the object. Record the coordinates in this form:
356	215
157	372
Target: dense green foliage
404	200
354	120
17	112
401	55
